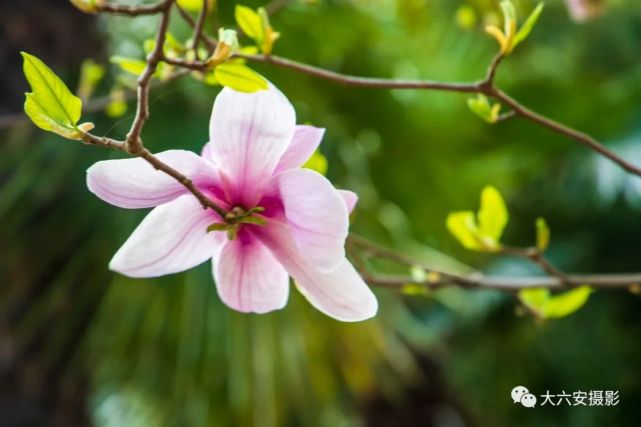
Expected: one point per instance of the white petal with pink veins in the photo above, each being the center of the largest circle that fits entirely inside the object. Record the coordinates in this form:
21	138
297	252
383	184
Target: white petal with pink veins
304	142
172	238
249	134
134	183
317	214
249	278
340	293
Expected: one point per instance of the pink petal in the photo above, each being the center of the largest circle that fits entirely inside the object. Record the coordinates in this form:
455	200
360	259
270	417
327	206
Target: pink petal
304	142
172	238
340	293
350	198
317	215
248	277
133	183
249	134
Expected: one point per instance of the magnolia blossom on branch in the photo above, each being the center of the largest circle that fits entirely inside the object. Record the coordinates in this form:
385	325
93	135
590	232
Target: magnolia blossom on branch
281	220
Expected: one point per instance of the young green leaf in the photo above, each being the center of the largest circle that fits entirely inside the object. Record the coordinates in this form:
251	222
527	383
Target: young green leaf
528	25
239	77
542	234
249	22
269	35
549	306
194	5
131	65
481	232
493	214
51	105
463	226
482	108
317	162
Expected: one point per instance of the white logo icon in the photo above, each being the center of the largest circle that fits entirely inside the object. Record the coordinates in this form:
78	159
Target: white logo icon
523	396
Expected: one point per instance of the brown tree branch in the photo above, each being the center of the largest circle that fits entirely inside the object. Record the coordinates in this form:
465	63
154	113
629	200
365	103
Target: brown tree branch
128	10
198	28
134	143
556	280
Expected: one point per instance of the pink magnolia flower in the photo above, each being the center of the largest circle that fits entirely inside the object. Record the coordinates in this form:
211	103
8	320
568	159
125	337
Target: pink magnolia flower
288	221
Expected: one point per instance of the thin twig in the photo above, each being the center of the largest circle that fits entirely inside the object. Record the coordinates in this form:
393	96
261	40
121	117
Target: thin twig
512	284
357	81
134	143
556	280
128	10
198	28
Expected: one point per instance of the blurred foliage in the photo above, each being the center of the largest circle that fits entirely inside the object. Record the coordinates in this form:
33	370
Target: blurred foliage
167	352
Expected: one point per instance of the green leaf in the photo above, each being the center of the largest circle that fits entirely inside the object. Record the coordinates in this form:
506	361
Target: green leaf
528	25
549	306
493	214
51	106
239	77
249	22
317	162
463	226
509	15
482	108
483	231
193	5
542	234
131	65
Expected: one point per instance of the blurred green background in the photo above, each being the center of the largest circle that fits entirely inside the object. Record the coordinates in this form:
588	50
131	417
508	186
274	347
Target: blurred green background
80	345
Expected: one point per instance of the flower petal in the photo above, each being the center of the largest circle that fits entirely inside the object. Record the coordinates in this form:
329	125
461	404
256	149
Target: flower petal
304	142
317	214
249	134
172	238
249	278
340	293
133	183
350	198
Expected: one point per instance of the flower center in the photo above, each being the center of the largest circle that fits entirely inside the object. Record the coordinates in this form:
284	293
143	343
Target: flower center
236	217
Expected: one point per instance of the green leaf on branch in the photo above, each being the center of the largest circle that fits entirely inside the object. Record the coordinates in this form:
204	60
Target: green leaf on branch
131	65
481	232
482	108
249	22
548	306
463	226
528	25
509	38
255	24
542	234
493	214
51	106
239	77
